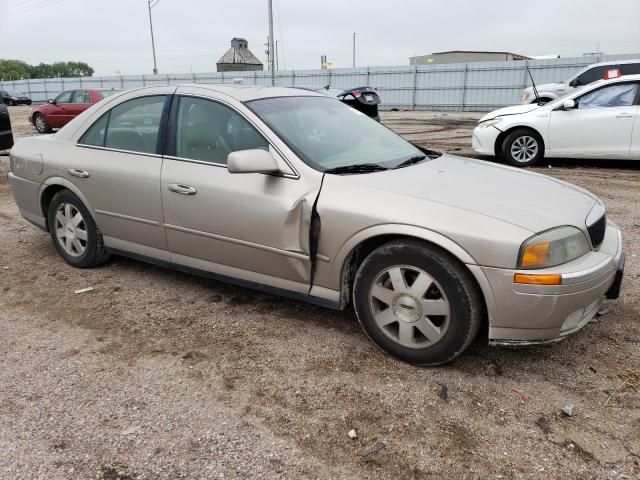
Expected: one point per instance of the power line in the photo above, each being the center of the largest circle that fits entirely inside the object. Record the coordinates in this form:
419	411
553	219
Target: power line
29	8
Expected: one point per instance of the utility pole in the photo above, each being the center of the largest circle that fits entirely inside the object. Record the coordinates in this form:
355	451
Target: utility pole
151	4
354	49
271	45
277	59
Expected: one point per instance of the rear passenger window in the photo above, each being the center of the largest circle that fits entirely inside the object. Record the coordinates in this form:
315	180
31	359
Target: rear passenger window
209	131
96	133
594	74
134	125
81	96
630	68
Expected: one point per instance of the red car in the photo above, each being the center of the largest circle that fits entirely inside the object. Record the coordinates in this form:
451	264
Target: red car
65	107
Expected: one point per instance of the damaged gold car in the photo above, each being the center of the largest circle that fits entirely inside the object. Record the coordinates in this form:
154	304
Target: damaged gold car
291	192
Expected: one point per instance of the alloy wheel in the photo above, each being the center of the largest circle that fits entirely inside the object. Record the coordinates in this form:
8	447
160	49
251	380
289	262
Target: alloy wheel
409	306
524	149
71	230
40	123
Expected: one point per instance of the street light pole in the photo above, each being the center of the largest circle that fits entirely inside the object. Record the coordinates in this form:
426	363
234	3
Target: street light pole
271	45
354	49
151	4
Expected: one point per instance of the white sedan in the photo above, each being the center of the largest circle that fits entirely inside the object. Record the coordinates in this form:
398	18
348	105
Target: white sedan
599	120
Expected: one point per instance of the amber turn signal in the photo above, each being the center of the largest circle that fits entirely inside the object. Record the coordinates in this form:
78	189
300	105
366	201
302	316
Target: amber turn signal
533	279
535	255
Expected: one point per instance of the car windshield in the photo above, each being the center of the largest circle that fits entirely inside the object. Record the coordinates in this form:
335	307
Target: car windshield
107	93
328	135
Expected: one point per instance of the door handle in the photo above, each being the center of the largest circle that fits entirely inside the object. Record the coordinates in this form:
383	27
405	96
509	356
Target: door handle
182	189
78	173
624	115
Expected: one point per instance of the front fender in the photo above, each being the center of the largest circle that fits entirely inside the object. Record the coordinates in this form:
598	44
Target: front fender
397	230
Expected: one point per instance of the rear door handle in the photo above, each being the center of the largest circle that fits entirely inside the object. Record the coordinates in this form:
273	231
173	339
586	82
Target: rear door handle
78	173
624	115
182	189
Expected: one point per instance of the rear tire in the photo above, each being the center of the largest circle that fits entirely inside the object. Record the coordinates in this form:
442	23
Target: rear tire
522	147
41	123
417	303
74	232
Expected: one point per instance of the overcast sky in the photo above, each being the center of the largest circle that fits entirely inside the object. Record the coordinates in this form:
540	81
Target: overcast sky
113	35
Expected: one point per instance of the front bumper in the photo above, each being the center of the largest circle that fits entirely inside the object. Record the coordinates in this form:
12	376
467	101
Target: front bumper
534	314
483	140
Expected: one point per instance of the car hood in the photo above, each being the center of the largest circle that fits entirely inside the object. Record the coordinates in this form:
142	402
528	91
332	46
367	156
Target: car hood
529	200
513	110
548	87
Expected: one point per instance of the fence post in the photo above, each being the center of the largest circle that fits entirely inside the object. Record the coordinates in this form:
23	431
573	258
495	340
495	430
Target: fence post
293	78
46	93
144	81
415	87
121	82
368	76
464	85
62	83
168	80
29	88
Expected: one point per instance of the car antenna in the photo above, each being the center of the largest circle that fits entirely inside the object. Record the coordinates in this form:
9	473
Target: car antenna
535	90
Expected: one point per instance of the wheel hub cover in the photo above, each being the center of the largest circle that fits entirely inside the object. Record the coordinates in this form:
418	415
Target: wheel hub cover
407	308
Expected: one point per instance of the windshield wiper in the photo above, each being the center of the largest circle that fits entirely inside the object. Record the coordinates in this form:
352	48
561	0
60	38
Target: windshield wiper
411	161
361	168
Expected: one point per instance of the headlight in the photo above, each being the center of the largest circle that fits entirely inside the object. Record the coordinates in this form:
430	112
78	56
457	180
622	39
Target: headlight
490	123
553	247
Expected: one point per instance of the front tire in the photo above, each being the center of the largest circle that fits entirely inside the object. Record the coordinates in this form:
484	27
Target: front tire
417	303
522	148
41	123
74	232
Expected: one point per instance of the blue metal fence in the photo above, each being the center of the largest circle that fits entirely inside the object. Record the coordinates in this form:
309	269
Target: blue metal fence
477	86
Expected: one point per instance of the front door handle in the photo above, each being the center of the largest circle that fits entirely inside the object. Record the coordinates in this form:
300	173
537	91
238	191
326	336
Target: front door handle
78	173
182	189
624	115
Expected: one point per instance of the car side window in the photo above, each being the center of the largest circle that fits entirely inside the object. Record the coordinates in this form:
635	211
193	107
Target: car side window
81	96
134	125
630	68
96	134
209	131
594	74
64	97
618	95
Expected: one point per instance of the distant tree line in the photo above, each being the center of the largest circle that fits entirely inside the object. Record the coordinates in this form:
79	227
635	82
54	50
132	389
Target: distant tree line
18	70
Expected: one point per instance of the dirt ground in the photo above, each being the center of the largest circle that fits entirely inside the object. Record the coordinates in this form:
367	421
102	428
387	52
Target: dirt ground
157	374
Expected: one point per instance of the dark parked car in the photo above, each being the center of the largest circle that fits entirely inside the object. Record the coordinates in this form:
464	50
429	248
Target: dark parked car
6	137
12	97
56	113
364	99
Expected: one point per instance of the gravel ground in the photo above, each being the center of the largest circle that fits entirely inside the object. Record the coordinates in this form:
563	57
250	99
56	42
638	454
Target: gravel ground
157	374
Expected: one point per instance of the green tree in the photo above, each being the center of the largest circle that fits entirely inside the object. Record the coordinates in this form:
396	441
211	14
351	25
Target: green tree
17	70
14	70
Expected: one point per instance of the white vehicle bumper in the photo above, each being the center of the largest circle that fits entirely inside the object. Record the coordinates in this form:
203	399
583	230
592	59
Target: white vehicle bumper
484	139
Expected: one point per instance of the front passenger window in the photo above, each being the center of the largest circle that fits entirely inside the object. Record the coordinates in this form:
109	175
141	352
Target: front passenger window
618	95
209	131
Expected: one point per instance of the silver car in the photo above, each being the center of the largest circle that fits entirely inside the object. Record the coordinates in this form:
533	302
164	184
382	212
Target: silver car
291	192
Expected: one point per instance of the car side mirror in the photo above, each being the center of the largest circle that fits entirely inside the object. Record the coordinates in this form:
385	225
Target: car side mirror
575	82
252	161
51	101
569	104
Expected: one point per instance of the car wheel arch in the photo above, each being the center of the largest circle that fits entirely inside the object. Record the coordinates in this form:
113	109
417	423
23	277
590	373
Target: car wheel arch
52	186
503	135
356	249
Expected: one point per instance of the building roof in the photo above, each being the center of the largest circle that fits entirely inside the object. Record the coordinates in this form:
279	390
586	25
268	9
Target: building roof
478	51
239	55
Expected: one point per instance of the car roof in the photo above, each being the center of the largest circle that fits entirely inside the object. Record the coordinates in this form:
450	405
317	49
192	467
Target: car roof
245	93
613	62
